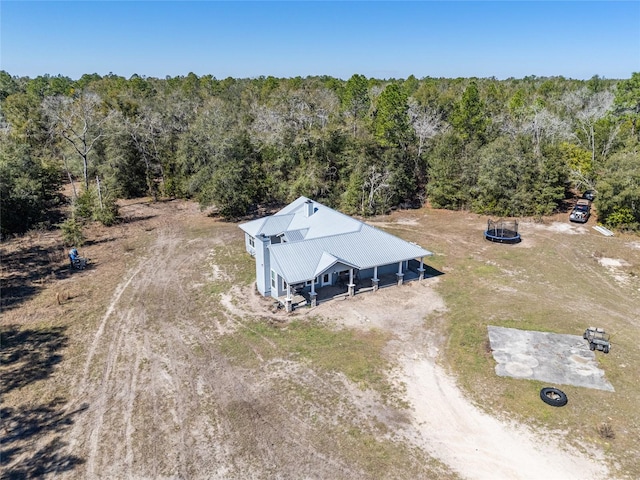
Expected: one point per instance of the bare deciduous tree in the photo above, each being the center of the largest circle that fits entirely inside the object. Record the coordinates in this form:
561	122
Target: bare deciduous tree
79	120
611	138
542	125
588	108
326	105
268	126
298	114
539	123
375	187
426	122
146	132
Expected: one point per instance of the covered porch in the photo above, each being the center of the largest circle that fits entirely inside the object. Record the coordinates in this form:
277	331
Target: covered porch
350	285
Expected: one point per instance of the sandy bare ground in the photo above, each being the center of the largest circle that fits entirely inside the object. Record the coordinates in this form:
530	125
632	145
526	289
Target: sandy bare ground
137	366
157	399
160	396
448	426
479	446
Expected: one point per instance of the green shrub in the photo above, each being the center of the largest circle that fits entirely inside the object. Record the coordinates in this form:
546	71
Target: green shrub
72	232
108	214
84	204
622	218
88	207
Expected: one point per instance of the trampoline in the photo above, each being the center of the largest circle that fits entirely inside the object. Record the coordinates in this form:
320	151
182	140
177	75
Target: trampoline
502	231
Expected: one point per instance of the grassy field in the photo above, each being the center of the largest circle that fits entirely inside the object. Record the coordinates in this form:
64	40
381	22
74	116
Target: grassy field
181	366
554	281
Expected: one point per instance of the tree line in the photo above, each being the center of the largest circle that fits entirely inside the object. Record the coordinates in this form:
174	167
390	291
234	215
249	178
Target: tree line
515	147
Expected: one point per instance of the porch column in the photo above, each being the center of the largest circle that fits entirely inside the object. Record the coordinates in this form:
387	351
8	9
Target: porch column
400	275
313	295
421	269
375	280
352	286
288	302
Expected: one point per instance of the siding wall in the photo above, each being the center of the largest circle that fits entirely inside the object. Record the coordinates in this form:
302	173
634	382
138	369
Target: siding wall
247	245
263	266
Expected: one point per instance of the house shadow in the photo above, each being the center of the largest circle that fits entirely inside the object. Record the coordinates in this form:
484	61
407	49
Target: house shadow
32	443
430	272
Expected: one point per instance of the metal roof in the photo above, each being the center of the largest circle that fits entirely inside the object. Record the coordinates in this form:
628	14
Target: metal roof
295	235
322	222
313	243
273	225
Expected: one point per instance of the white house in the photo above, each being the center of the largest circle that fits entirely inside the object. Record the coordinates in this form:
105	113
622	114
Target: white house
307	245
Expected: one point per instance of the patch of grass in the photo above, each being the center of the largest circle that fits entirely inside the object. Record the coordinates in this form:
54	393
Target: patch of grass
357	355
554	287
485	270
381	457
249	345
234	261
198	350
214	289
333	427
605	430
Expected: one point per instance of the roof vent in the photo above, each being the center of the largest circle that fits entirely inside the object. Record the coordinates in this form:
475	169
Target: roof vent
308	208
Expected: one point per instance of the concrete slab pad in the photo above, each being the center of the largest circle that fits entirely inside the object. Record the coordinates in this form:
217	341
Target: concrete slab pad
559	359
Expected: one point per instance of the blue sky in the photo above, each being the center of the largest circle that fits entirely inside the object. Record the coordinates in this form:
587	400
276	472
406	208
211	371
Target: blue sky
576	39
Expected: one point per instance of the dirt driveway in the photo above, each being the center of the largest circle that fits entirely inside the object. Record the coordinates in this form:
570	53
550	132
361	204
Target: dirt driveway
152	394
443	422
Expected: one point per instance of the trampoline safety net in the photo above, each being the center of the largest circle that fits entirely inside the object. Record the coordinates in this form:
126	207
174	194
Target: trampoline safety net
503	228
502	231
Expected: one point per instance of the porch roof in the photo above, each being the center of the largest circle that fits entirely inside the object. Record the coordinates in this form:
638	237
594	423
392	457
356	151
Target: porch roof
365	248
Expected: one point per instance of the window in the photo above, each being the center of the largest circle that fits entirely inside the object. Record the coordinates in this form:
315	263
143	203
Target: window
252	242
273	279
325	278
284	284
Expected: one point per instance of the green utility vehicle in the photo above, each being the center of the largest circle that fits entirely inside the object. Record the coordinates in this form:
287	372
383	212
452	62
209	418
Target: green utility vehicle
598	339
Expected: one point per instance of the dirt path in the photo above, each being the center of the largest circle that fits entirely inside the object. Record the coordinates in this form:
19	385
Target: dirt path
131	370
445	424
165	403
160	395
479	446
110	377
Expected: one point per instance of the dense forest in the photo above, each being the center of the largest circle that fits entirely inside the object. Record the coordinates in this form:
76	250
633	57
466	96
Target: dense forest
515	147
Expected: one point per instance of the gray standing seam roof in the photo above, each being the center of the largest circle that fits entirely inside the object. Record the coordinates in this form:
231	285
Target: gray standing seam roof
296	235
317	242
273	225
368	248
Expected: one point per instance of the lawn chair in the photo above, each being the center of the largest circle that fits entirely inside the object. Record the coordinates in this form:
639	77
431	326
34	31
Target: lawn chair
76	261
80	263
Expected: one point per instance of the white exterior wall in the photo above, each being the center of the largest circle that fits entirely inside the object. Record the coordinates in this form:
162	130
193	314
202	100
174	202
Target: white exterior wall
251	249
263	265
276	291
